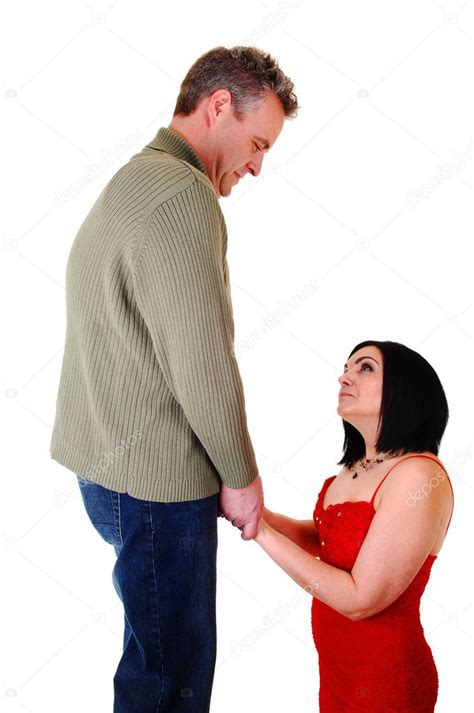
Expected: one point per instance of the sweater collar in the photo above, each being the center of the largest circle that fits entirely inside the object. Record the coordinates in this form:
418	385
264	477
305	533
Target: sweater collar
174	144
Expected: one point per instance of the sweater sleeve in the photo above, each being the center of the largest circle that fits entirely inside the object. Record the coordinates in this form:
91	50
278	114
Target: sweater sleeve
183	297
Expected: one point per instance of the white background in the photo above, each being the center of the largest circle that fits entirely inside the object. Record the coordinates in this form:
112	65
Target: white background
365	193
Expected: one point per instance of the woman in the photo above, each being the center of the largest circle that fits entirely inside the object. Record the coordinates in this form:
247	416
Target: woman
377	528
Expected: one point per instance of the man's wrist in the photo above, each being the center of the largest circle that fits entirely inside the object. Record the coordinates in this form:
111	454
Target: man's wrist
249	480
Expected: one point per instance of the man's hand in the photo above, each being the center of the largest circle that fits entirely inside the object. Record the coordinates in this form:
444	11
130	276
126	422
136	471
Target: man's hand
243	507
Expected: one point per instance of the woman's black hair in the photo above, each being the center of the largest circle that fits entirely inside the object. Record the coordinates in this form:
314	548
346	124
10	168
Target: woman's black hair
414	410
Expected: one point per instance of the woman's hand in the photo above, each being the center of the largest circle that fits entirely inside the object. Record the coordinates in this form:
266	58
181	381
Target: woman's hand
262	528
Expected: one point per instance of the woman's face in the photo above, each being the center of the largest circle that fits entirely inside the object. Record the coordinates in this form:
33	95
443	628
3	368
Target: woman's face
360	395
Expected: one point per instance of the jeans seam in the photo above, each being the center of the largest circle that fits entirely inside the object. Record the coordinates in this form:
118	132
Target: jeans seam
116	508
160	698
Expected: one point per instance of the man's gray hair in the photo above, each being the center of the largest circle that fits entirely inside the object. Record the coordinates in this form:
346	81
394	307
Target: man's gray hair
246	72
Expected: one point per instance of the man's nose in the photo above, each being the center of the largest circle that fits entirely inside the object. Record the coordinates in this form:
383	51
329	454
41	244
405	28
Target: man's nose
255	165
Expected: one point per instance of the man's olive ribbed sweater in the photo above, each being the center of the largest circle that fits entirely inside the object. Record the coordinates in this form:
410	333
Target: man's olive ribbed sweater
150	399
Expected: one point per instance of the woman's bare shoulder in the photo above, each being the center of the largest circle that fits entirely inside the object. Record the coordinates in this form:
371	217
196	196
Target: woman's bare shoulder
419	473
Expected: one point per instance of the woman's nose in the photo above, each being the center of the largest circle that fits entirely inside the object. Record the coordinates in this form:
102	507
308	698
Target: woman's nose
344	378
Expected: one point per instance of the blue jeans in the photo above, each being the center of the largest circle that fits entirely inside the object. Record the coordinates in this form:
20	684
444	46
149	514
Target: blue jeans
165	576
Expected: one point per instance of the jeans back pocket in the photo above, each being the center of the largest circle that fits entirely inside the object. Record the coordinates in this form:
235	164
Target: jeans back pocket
103	508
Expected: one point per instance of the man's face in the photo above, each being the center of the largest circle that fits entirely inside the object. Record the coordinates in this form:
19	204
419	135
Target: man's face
240	145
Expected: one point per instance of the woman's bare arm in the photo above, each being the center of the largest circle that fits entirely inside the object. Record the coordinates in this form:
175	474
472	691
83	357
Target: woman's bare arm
302	532
400	537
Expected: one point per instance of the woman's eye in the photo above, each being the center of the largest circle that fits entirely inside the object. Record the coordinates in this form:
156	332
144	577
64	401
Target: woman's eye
369	367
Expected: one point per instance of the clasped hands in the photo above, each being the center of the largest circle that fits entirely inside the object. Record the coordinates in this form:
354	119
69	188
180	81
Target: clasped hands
243	507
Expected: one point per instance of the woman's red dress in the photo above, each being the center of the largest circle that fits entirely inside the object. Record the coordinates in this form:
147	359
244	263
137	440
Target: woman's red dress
381	663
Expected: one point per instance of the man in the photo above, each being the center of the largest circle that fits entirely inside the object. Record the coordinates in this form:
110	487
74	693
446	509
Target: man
150	412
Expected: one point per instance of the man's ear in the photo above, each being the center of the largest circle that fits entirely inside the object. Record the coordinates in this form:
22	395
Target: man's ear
219	105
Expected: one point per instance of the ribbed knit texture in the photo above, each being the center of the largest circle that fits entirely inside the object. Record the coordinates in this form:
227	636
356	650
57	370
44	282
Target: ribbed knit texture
150	399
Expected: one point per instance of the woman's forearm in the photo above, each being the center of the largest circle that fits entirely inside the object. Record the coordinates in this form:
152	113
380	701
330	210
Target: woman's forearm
331	585
302	532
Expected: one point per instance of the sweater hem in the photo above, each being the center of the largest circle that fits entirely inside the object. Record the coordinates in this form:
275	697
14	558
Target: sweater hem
138	485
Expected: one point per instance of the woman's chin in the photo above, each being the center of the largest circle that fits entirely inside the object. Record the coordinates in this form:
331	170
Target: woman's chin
344	413
341	410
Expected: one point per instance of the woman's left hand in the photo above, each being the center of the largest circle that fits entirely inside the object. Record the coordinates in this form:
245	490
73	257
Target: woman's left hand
261	528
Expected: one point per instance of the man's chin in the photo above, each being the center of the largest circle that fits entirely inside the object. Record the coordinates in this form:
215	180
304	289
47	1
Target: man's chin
226	186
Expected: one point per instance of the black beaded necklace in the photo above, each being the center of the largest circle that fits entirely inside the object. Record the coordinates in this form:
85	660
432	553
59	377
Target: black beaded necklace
368	463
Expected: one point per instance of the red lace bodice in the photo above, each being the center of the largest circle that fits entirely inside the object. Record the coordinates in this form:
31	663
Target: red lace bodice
381	663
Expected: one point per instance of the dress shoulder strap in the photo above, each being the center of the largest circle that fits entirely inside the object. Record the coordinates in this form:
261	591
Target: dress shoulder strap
325	486
416	455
